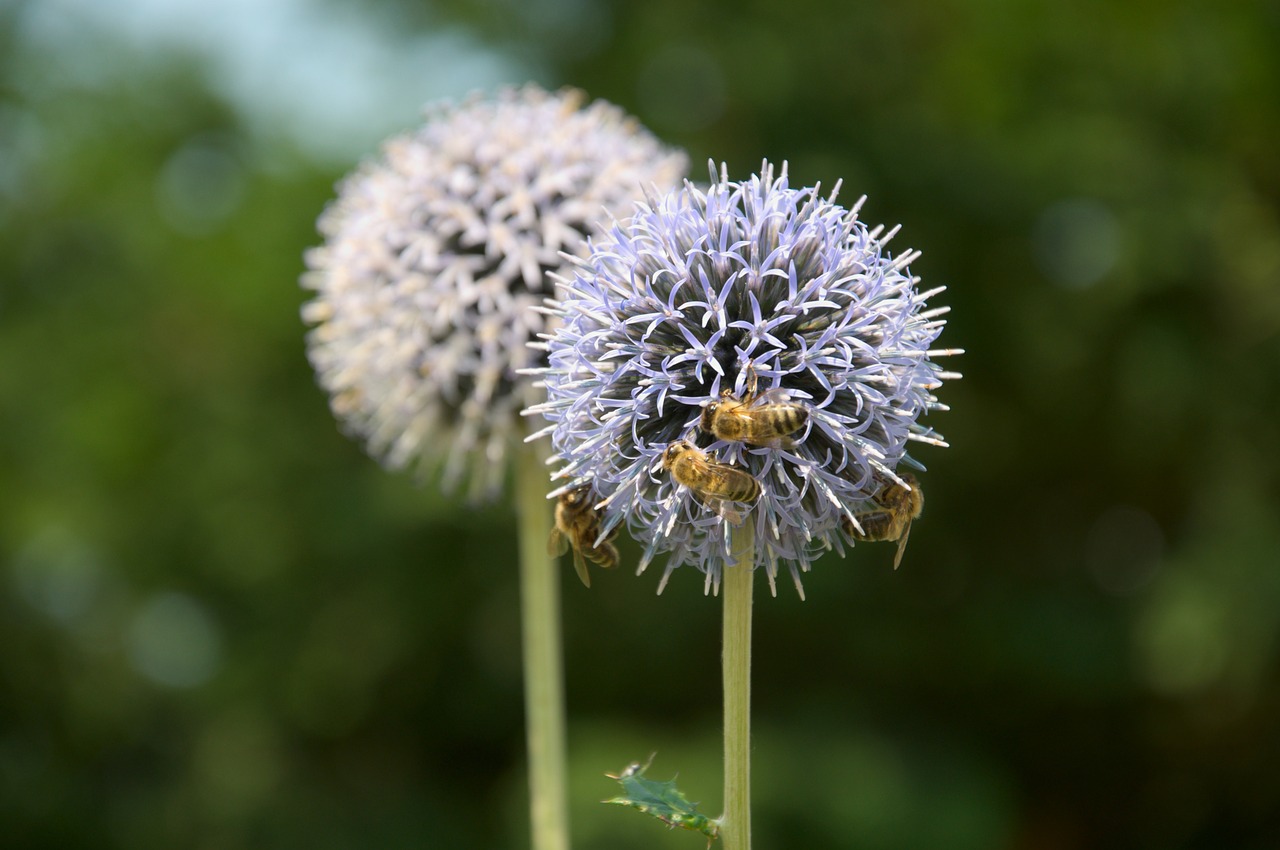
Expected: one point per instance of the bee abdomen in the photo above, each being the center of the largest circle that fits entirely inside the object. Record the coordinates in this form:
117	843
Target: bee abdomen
876	526
790	418
606	555
743	488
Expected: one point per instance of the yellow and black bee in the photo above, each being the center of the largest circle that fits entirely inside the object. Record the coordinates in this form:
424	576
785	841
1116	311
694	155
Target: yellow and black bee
897	507
758	419
718	485
578	527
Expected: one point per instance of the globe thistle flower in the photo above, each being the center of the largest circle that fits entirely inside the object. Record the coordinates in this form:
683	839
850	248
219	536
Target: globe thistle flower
435	254
746	289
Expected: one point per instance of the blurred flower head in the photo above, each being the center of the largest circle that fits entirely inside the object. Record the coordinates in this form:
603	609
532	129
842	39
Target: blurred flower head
738	297
435	254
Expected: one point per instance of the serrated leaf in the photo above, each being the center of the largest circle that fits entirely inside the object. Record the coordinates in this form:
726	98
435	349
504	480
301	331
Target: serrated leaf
663	801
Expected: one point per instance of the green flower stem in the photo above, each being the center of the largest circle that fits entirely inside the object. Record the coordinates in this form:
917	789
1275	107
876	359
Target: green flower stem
543	667
736	586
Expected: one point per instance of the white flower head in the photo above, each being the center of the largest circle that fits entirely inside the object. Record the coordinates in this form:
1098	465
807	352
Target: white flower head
436	255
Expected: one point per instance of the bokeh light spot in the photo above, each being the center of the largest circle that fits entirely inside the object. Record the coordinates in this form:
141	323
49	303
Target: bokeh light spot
174	641
1076	242
58	574
1182	640
200	186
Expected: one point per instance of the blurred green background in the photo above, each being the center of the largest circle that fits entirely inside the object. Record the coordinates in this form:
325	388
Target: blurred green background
222	626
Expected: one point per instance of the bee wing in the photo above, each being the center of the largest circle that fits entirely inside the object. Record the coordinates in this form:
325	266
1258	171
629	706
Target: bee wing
728	511
773	395
557	543
580	564
902	545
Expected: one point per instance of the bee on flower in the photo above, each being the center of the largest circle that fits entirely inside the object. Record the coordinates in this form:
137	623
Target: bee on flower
752	333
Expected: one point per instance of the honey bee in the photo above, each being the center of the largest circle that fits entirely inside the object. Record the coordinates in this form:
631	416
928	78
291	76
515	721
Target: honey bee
578	526
718	485
898	506
764	419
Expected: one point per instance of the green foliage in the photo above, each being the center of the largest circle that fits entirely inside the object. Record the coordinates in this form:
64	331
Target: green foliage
662	800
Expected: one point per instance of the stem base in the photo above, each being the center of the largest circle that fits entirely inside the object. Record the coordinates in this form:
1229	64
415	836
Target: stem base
543	666
736	586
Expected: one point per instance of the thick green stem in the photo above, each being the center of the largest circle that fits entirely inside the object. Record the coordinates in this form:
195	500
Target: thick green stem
736	586
543	668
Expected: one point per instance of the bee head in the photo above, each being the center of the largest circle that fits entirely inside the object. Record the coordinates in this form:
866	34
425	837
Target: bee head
673	451
708	415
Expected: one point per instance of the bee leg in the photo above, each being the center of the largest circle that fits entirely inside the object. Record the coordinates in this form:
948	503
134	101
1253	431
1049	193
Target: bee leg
751	381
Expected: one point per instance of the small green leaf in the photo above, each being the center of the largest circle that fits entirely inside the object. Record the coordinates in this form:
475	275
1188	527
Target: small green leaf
662	800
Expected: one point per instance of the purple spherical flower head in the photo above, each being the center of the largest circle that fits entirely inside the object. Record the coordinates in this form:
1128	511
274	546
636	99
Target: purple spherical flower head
744	287
435	261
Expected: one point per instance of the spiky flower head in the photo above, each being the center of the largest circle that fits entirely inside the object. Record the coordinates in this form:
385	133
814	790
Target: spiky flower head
751	289
436	252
